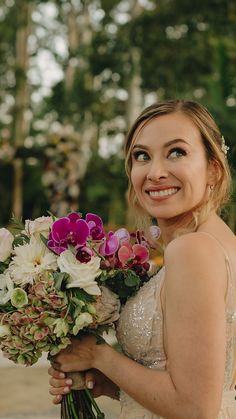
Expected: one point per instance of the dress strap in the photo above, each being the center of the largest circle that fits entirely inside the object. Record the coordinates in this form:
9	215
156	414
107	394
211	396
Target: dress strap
227	260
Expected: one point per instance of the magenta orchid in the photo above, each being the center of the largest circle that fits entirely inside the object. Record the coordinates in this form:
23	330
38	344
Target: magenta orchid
68	230
95	225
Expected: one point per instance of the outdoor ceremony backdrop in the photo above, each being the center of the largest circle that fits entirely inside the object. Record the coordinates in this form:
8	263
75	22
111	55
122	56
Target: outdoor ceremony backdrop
73	76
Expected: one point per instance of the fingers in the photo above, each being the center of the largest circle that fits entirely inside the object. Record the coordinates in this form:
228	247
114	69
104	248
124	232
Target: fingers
55	373
57	399
89	380
60	385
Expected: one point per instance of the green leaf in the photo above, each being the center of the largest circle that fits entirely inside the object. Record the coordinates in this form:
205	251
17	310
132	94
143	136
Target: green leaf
20	240
5	308
131	279
59	278
52	215
17	224
83	295
4	265
44	240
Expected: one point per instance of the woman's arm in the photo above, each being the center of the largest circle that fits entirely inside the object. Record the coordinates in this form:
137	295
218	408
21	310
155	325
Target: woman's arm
195	332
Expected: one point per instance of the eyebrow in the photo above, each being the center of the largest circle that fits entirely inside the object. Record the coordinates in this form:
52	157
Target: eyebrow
171	142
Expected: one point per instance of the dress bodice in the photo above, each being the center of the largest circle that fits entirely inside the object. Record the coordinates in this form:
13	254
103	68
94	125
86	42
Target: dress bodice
140	334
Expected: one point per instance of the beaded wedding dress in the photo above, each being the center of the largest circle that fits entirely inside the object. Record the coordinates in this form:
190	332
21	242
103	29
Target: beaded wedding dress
140	334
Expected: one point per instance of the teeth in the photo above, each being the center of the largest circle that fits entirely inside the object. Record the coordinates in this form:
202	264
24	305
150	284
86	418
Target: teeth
164	192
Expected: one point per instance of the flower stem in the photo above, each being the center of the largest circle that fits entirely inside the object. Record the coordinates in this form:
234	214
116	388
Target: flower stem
98	411
71	403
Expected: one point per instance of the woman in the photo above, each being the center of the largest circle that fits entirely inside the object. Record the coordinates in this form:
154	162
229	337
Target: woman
178	334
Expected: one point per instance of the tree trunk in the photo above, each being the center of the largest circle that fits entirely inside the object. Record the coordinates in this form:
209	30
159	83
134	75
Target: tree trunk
135	95
21	101
80	34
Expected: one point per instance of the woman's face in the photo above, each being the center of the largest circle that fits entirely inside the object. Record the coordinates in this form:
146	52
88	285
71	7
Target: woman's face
170	172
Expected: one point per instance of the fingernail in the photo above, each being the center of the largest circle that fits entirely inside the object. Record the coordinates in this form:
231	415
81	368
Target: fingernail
90	385
69	381
66	390
62	375
58	397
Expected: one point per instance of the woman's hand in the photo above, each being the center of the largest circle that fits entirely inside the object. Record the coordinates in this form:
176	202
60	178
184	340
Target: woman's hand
60	385
94	380
79	356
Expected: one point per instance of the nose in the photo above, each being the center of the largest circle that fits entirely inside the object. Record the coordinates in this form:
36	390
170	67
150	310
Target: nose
157	171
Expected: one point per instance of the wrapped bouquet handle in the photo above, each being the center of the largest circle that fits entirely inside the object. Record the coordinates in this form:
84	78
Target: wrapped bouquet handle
78	380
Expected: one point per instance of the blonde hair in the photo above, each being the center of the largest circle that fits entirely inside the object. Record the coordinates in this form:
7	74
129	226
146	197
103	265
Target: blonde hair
212	141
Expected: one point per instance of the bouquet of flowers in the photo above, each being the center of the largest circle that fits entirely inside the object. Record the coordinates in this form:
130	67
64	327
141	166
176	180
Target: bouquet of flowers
60	278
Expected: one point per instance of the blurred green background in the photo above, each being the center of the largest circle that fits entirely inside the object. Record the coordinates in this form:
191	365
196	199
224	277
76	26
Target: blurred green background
75	74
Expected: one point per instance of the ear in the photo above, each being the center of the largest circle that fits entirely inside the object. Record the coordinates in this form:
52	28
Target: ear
214	172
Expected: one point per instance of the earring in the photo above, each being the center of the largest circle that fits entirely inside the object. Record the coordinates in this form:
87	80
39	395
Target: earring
211	187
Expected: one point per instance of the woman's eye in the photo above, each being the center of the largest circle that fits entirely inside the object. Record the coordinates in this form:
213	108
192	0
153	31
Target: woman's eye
140	155
177	152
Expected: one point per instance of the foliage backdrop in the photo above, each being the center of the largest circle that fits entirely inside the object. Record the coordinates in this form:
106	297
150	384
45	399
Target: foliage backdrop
73	76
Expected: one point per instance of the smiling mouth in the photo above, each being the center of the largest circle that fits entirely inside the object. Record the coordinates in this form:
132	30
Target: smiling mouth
164	192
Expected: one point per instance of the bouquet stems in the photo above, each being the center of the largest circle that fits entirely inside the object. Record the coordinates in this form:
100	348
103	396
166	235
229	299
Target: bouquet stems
79	404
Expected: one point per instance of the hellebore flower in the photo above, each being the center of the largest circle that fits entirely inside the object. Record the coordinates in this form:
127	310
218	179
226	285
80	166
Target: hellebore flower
137	253
95	225
19	298
110	245
68	230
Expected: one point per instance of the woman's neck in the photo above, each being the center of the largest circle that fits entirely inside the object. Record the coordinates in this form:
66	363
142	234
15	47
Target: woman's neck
170	227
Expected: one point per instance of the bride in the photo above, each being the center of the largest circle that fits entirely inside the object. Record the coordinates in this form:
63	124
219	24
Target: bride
178	333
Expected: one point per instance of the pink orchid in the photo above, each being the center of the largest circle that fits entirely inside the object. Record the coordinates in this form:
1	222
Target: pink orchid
110	245
136	253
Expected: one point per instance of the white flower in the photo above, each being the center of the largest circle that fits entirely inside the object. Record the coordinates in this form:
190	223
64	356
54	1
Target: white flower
6	240
6	288
82	275
4	330
83	320
30	260
39	225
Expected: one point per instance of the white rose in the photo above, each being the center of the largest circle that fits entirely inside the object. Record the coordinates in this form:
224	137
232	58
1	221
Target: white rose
39	225
6	288
6	240
82	275
4	330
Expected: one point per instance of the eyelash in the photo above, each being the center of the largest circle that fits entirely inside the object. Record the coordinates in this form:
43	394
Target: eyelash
179	150
137	154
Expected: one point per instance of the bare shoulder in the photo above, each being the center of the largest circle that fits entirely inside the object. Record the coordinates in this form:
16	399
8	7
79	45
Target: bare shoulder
196	257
